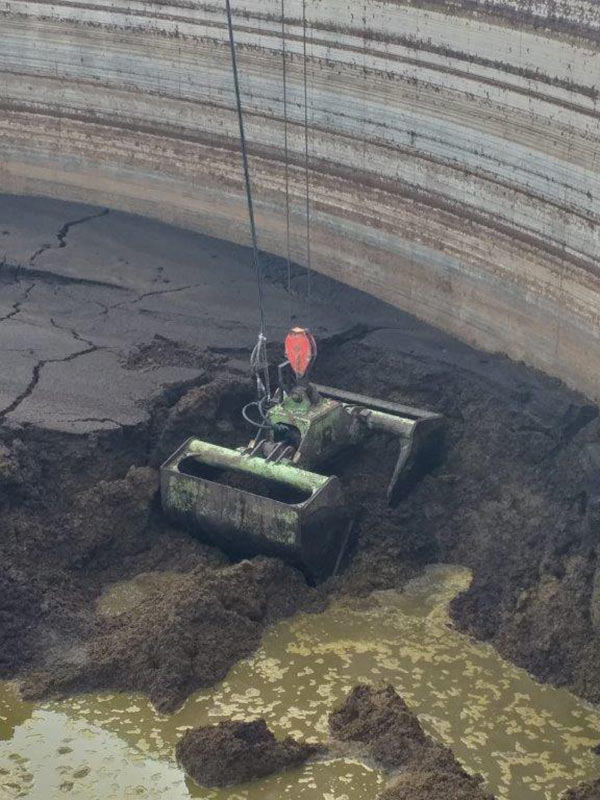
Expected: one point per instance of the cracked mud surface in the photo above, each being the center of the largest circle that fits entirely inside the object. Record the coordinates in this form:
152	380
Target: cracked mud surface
80	288
127	336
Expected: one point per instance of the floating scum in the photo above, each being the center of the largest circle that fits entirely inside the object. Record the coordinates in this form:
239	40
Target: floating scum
528	740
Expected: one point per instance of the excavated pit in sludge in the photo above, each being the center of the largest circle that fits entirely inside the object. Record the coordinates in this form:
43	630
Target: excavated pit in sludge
512	498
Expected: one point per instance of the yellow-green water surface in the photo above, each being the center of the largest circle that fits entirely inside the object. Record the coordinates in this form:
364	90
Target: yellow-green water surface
529	741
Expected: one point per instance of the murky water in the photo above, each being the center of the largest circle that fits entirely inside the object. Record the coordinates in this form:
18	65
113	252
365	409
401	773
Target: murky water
529	741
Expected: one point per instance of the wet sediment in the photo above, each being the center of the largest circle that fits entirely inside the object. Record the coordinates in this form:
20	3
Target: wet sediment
515	498
235	752
526	739
392	736
584	791
80	528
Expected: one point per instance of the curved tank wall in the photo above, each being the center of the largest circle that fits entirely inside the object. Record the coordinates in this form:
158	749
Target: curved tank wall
454	146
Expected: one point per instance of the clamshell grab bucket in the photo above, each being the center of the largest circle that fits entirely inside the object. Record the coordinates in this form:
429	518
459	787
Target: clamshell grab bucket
246	505
419	433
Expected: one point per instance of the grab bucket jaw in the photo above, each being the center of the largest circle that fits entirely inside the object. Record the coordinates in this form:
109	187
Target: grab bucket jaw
246	505
419	433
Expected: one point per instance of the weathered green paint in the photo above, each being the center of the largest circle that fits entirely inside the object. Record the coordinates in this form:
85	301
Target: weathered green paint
324	427
222	458
303	414
308	532
309	529
389	423
182	493
225	509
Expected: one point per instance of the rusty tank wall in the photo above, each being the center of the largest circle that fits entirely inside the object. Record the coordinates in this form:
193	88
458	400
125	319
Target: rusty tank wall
454	146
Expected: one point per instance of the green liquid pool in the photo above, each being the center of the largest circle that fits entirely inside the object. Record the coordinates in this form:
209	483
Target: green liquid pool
528	741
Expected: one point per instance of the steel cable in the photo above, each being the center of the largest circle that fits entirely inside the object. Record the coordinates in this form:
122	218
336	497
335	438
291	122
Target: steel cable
306	174
258	360
286	158
256	255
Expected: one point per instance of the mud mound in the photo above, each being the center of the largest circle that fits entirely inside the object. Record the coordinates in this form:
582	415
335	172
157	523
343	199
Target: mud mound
380	721
584	791
235	752
432	786
516	498
164	352
211	411
109	520
182	638
63	546
45	588
9	468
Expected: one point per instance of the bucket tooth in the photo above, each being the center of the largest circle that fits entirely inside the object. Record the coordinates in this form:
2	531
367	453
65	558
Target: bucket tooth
247	505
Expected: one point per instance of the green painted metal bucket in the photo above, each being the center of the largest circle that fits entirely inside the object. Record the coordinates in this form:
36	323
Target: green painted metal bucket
246	505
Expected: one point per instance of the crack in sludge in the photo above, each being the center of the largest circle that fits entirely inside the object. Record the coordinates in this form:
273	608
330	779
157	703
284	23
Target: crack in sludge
16	308
64	230
35	377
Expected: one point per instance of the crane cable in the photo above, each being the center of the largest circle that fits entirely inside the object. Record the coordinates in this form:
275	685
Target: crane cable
258	359
286	162
306	172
